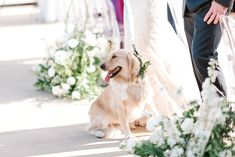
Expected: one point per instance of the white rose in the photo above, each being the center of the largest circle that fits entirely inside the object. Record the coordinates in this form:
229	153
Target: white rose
65	87
76	95
72	43
91	69
189	153
157	137
187	125
57	91
71	81
151	123
176	152
171	141
51	72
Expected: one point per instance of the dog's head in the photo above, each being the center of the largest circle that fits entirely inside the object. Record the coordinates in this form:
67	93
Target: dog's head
121	64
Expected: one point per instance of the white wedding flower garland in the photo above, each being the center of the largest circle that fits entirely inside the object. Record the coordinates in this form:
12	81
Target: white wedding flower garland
205	130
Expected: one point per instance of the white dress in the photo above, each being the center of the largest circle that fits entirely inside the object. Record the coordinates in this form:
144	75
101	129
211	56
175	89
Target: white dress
227	55
171	70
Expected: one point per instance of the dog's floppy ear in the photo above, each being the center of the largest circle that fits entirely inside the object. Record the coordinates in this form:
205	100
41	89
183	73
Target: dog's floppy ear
133	66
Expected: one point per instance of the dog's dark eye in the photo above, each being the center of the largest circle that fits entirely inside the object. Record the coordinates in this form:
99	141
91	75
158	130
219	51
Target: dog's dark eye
114	56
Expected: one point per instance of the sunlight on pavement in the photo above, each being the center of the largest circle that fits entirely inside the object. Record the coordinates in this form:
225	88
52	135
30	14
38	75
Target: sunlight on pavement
82	152
103	142
31	114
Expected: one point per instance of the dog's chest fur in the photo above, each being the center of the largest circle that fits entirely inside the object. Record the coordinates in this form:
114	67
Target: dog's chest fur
132	96
119	90
130	91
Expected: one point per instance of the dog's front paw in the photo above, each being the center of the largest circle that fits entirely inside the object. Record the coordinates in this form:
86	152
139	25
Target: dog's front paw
140	122
132	125
99	134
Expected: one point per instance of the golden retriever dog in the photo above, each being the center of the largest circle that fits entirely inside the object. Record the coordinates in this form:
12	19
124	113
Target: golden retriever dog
123	101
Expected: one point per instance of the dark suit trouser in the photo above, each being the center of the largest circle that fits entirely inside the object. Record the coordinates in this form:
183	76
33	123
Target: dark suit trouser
203	40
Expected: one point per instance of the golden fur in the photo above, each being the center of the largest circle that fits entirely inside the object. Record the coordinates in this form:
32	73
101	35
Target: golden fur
123	100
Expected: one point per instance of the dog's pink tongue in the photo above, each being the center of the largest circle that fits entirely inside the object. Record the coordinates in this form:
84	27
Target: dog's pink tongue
107	77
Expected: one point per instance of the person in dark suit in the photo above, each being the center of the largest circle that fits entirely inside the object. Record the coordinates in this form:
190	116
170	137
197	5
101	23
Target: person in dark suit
233	9
201	22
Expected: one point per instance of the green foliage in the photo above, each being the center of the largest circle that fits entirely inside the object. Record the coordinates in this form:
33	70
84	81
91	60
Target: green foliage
143	64
193	109
147	148
143	68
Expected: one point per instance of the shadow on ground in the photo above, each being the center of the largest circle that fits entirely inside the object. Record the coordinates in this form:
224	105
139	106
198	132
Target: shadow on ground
65	141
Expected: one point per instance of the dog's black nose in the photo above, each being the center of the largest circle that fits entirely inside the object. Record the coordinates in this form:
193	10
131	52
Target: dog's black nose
102	66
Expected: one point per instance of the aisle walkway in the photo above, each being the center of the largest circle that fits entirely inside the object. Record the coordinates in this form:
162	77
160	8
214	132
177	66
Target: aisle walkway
34	123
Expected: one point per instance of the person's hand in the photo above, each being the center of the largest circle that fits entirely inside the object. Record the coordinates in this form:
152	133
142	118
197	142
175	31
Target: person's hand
213	15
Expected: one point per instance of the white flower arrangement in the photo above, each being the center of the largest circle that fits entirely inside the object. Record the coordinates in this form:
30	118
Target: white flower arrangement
72	68
206	129
187	126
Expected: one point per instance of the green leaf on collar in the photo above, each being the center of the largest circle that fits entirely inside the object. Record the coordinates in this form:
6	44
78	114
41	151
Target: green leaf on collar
143	64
